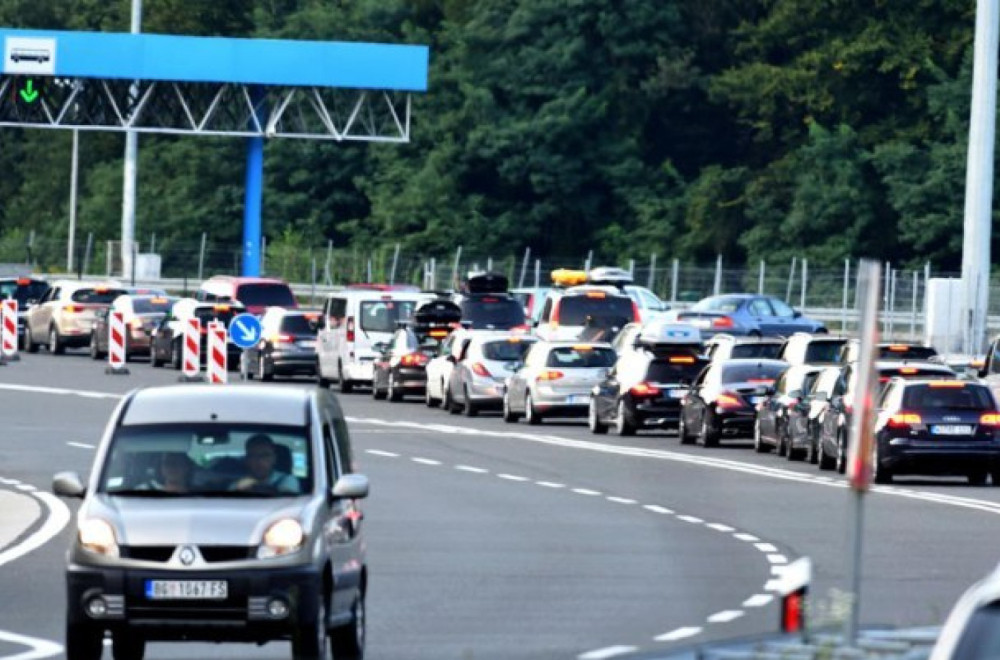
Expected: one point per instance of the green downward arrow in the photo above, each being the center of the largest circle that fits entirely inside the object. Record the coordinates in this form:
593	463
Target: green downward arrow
29	93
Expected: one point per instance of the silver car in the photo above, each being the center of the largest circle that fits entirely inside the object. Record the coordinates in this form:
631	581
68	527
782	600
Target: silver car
478	379
556	380
219	514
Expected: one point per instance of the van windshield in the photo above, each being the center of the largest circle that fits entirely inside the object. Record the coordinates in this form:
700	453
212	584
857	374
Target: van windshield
385	315
266	294
207	460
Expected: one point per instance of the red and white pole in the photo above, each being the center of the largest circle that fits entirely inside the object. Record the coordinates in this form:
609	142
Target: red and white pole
217	372
191	355
8	329
116	342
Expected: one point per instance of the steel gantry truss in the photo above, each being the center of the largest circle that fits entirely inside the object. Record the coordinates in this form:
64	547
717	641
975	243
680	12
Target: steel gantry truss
212	109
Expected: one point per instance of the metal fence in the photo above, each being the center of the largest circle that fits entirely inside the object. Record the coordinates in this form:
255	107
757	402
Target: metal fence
826	293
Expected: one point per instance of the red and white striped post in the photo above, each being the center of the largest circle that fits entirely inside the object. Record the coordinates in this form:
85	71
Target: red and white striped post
116	344
8	330
191	353
216	366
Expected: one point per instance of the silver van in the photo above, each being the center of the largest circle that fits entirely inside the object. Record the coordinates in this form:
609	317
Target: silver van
219	514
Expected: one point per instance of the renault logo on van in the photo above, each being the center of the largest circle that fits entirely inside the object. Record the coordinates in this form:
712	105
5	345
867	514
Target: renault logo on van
187	555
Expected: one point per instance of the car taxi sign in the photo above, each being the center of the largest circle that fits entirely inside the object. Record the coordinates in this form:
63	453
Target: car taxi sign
245	330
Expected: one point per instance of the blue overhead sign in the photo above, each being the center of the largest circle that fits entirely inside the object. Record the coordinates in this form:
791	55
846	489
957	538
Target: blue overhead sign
215	60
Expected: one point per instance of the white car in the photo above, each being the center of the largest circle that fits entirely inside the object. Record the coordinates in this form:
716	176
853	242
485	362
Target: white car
971	631
65	315
651	308
353	321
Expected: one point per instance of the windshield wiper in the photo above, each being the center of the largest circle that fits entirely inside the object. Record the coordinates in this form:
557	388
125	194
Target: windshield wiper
137	492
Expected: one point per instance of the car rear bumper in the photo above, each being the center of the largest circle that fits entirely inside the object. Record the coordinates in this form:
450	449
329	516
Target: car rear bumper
921	457
242	616
360	370
736	423
410	380
294	363
656	414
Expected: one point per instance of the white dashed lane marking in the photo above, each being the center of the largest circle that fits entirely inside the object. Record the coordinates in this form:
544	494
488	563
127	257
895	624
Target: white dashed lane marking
379	452
512	477
655	508
749	538
758	600
766	547
474	470
621	500
549	484
725	616
719	527
691	519
425	461
679	634
586	491
609	652
777	559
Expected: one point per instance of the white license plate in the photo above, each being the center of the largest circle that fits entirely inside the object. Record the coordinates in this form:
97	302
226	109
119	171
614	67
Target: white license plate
952	429
187	589
307	344
576	398
677	394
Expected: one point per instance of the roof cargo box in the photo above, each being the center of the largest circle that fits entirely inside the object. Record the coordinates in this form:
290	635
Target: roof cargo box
437	312
491	282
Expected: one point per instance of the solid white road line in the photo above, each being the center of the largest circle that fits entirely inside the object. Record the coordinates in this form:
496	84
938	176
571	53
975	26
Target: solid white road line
57	518
655	508
425	461
609	652
81	445
725	616
680	633
37	648
758	600
469	468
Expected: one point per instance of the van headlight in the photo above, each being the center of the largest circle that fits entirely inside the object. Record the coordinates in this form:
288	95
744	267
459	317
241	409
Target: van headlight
282	538
98	536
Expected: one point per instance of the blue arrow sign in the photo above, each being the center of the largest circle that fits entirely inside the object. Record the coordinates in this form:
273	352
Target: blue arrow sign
245	330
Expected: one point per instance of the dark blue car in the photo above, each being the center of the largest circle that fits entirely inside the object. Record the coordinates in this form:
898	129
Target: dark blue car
747	314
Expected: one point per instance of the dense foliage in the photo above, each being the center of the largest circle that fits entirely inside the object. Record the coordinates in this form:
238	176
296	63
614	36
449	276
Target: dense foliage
686	128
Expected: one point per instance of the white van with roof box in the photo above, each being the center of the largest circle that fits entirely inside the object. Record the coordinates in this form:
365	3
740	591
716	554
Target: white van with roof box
353	322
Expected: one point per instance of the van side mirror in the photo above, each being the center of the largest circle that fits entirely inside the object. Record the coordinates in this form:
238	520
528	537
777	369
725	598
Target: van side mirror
68	484
350	487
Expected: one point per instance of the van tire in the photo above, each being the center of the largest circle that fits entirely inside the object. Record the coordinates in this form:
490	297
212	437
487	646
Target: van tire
84	642
346	386
126	646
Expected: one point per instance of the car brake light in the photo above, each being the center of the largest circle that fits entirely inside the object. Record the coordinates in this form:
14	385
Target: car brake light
350	328
909	371
596	294
761	381
903	419
521	329
284	339
550	375
723	322
221	308
24	281
898	348
582	348
682	359
101	289
513	340
480	369
413	360
644	389
883	379
438	334
73	309
636	317
990	419
729	400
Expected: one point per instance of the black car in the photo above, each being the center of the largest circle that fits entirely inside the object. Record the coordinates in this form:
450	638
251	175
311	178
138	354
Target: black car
401	364
780	416
166	346
834	429
940	427
723	399
644	390
287	346
26	291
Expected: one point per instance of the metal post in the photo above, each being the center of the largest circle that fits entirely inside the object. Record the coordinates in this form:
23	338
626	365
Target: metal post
717	285
651	280
395	262
454	269
135	250
590	260
86	254
313	294
131	164
253	197
892	302
369	279
843	304
885	297
327	276
524	267
201	257
979	174
913	307
760	277
538	272
631	267
675	271
73	178
791	279
805	283
489	264
152	243
434	273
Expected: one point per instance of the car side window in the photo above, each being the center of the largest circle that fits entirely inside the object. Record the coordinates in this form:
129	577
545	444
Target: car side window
336	311
53	294
781	309
759	307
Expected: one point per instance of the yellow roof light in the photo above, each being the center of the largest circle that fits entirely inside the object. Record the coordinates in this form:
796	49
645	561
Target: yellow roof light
567	277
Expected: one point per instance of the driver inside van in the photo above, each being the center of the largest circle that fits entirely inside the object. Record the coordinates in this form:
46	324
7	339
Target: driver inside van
261	474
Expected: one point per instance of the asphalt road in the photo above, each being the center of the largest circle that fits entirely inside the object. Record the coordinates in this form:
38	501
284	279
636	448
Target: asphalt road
489	540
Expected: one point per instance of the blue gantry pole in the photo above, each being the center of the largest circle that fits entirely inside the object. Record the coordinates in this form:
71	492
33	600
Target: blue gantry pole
252	207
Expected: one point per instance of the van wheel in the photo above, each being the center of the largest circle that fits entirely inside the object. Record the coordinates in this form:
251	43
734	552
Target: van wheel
154	358
346	386
310	642
377	394
126	646
709	436
84	642
825	461
428	399
682	432
758	444
348	642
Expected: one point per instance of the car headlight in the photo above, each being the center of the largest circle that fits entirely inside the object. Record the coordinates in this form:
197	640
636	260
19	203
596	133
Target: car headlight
281	538
98	536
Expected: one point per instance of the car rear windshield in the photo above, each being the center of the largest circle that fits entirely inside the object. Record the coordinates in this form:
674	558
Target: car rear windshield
910	373
385	315
723	305
764	351
824	351
96	296
22	293
266	294
906	352
962	397
667	371
299	324
492	312
506	350
151	305
581	357
748	373
574	310
198	460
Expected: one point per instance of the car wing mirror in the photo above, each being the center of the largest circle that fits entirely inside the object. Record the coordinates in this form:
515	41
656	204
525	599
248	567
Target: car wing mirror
68	484
350	487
